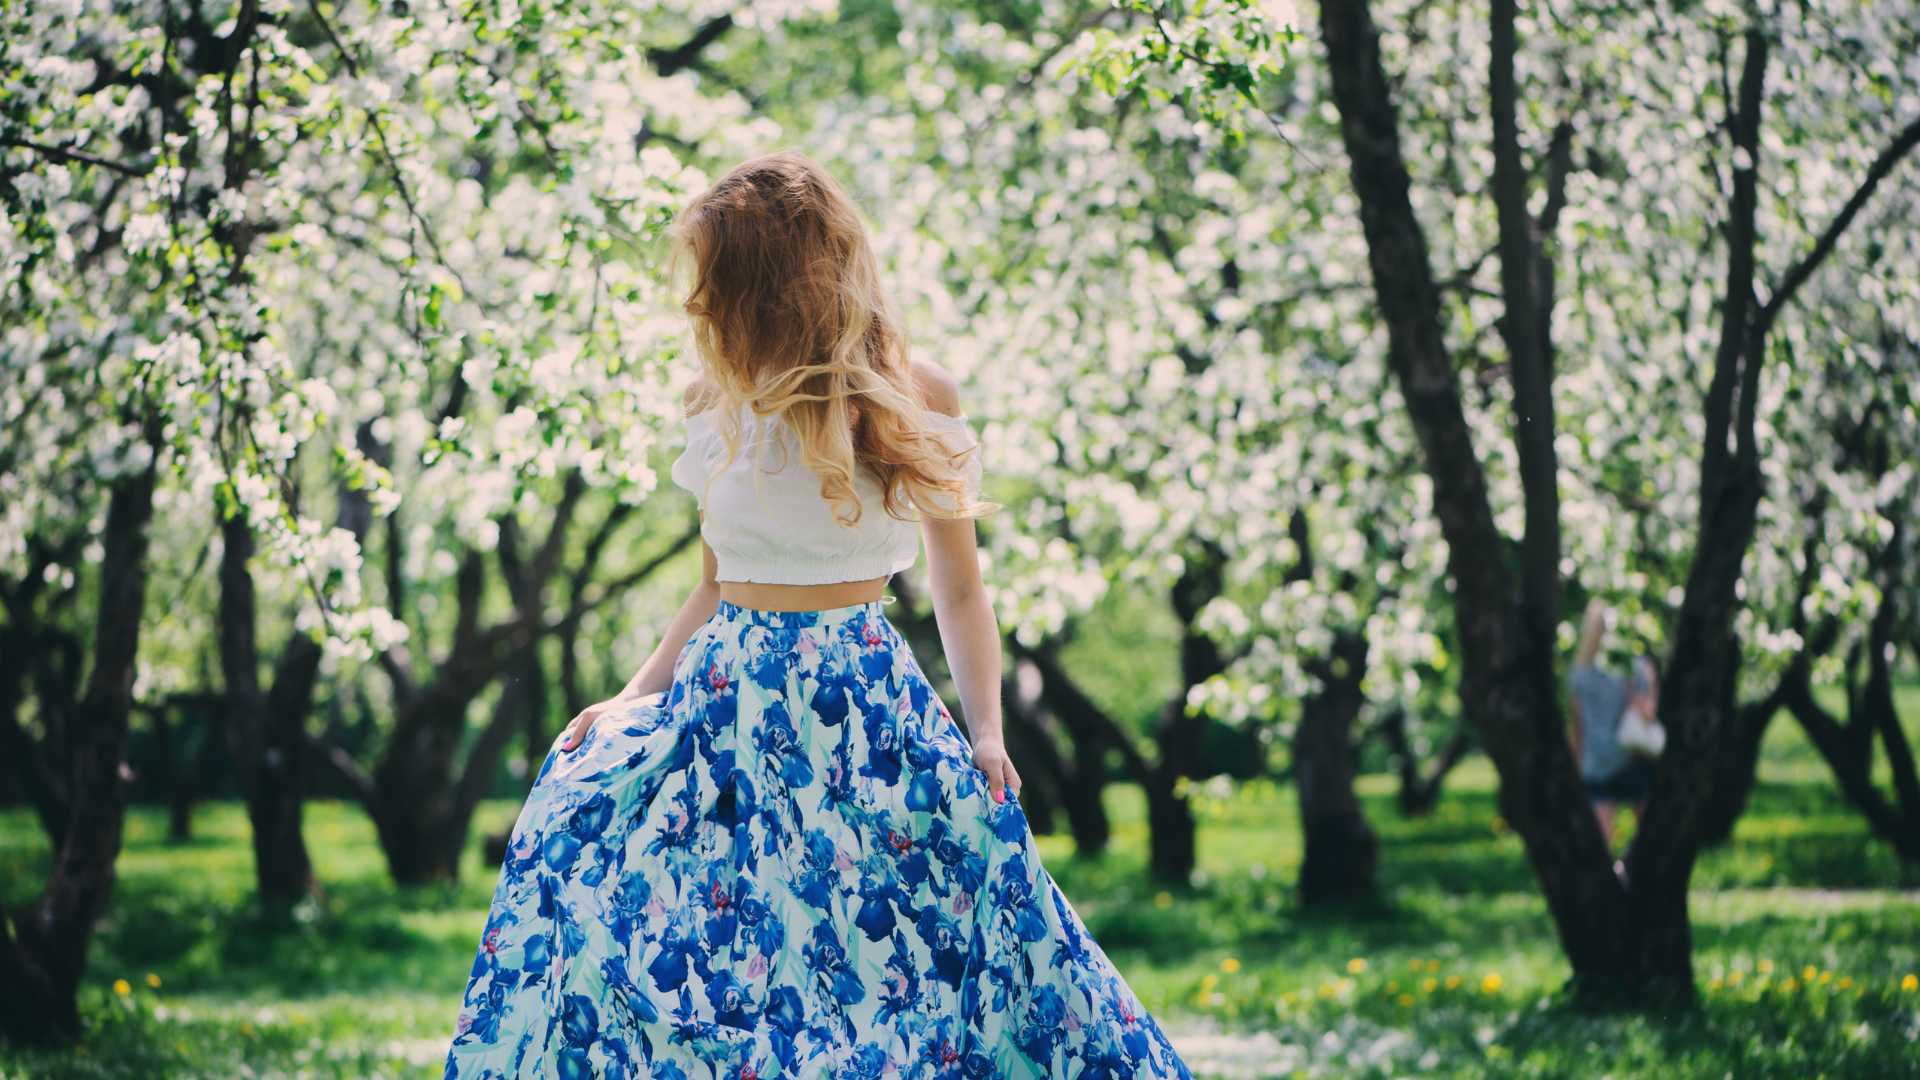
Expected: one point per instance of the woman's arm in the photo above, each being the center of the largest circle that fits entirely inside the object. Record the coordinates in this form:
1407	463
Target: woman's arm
657	673
969	631
970	637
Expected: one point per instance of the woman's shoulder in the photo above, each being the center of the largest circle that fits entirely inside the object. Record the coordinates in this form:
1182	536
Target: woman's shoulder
938	387
699	398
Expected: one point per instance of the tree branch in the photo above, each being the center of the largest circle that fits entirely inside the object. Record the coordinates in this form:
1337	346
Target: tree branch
68	155
1743	122
357	780
687	54
1795	277
1524	326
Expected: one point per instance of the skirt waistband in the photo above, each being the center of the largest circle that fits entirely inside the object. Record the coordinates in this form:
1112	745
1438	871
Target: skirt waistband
728	611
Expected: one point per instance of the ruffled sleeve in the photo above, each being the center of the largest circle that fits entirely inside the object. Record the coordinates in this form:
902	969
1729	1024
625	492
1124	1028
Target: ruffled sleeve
956	434
691	467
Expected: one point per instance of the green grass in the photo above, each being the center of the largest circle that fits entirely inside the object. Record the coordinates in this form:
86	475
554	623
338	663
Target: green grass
1452	972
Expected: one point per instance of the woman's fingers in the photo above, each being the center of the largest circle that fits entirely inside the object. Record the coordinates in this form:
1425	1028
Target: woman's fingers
1001	777
578	729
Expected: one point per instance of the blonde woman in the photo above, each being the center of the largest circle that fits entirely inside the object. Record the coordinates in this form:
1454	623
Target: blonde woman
774	852
1612	774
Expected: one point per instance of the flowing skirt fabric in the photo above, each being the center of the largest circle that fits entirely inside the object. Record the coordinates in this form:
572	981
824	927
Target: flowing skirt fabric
787	865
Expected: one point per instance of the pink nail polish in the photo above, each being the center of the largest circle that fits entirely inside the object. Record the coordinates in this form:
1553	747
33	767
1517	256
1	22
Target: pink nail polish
1000	795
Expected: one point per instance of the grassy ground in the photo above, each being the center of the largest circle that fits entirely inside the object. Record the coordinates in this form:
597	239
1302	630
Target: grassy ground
1807	933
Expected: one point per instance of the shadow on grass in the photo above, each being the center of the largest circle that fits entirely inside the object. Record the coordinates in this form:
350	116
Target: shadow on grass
358	938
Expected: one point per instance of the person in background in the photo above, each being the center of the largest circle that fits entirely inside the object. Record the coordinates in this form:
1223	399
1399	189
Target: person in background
1612	774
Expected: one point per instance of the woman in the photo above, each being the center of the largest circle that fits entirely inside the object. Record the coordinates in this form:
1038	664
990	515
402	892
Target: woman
1612	774
774	852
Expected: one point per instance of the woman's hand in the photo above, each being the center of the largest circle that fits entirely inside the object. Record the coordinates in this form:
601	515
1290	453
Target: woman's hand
990	757
589	716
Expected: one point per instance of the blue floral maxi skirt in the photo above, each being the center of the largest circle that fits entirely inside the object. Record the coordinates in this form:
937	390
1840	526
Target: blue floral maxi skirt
787	865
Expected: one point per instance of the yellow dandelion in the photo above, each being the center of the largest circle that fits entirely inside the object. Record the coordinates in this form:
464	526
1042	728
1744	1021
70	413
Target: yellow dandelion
1715	984
153	980
1910	983
1843	983
1393	986
1414	964
1230	964
1806	973
1453	982
1826	977
1326	990
1356	965
1490	983
1430	985
1209	981
1766	967
1163	899
1433	965
1734	977
122	987
1789	986
1405	1000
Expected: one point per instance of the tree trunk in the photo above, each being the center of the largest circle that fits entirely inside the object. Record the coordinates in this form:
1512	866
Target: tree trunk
413	811
1507	686
424	797
1182	735
1341	850
265	741
47	658
43	947
1739	769
1045	771
1171	854
180	814
1848	747
1085	799
171	748
1092	733
1419	790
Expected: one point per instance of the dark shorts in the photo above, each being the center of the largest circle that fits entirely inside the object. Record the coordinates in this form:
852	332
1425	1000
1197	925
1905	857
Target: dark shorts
1632	783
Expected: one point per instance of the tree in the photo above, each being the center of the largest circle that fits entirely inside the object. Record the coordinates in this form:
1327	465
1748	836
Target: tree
1601	222
43	946
238	234
1618	933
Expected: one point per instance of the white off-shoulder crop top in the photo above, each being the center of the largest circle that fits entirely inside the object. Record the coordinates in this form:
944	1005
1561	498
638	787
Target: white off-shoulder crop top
766	520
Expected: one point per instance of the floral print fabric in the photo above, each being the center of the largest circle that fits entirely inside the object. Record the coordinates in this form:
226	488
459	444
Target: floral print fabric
786	865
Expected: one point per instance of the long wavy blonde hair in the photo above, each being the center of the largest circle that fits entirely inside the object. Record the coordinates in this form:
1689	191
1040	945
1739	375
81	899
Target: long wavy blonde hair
789	318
